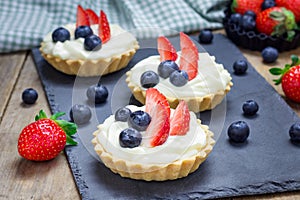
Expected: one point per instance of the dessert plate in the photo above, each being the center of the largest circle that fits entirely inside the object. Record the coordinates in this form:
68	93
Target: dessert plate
267	163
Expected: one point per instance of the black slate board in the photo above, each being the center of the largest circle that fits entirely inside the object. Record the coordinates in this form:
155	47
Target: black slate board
268	162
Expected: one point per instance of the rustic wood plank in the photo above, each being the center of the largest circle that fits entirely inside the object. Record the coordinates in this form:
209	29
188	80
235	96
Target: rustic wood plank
10	66
22	179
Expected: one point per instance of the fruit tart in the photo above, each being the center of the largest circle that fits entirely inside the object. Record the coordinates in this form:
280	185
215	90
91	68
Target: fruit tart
186	75
91	47
153	142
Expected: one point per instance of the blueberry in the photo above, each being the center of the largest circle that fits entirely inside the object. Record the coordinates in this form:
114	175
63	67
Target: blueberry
92	43
248	23
122	114
238	131
139	120
250	107
29	96
60	34
179	78
250	13
80	114
149	79
83	32
269	54
295	132
97	93
130	138
240	67
206	36
165	68
235	18
267	4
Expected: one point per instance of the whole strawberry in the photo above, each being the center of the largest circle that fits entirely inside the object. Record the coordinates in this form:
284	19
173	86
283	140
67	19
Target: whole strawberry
241	6
289	79
277	21
45	138
292	5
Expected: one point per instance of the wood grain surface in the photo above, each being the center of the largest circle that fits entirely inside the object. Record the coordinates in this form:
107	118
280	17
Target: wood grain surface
22	179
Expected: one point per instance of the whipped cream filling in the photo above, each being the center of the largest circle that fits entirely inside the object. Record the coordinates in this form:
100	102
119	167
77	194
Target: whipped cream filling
175	148
211	77
120	42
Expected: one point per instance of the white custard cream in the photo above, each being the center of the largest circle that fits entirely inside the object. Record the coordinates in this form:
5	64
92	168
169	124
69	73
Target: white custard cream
120	42
211	77
175	148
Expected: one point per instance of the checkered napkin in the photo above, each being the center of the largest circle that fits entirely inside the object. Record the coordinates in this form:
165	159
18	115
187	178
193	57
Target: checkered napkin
25	23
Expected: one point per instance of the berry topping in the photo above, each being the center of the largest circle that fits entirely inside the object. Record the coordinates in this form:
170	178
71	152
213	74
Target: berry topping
269	54
80	114
294	132
242	6
104	29
82	17
165	49
292	5
187	43
60	34
180	121
238	131
149	79
248	23
93	17
122	114
130	138
179	78
83	32
235	18
250	107
267	4
139	120
250	13
92	43
205	36
45	138
97	93
189	62
152	97
240	67
29	96
166	67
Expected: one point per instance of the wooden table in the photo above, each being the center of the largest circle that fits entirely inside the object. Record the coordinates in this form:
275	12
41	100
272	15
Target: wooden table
22	179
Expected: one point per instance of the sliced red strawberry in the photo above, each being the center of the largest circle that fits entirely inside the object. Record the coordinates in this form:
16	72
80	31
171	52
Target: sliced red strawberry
180	121
186	42
82	17
158	130
104	29
189	62
152	97
93	17
165	49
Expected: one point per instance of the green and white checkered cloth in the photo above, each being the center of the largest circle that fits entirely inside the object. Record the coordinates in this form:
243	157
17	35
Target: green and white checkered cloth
25	23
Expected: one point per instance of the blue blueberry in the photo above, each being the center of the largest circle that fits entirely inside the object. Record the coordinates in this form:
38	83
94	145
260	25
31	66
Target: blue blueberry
240	67
294	132
122	114
97	93
267	4
80	114
139	120
250	13
250	107
149	79
238	131
235	18
248	23
60	34
130	138
179	78
92	43
29	96
269	54
83	32
206	36
165	68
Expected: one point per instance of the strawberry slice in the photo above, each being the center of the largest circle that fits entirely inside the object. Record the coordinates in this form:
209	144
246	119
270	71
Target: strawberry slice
93	17
158	130
82	17
180	121
189	62
165	49
104	29
152	97
186	42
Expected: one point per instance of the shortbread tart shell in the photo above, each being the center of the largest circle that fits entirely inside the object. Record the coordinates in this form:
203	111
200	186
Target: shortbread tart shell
195	104
155	172
87	68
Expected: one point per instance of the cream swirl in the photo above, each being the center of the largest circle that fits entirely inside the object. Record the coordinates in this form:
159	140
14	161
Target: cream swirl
175	148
